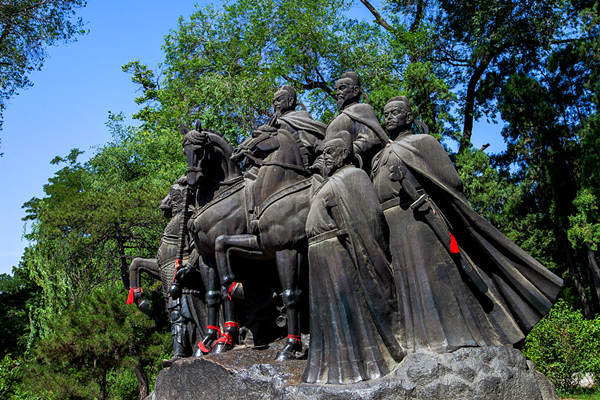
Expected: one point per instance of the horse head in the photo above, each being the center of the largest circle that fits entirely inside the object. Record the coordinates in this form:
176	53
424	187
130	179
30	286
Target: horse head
208	156
258	146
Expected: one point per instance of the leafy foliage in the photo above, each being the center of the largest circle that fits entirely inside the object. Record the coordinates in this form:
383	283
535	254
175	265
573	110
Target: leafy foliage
88	345
565	346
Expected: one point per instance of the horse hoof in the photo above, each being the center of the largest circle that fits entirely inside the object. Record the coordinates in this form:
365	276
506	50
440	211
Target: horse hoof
221	348
198	352
291	351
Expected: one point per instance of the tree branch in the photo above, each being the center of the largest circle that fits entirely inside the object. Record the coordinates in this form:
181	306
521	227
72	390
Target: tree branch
378	18
418	15
309	84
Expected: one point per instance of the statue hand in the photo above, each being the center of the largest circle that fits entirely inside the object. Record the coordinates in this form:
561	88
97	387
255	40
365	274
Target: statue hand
183	274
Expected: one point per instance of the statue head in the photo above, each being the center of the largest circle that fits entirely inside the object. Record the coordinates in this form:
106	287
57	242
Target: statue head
284	100
337	152
347	89
397	115
173	203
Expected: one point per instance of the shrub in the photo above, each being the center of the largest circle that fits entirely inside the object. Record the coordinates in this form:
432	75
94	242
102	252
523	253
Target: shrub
565	346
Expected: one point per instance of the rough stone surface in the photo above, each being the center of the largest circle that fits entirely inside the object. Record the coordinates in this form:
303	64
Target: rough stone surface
247	374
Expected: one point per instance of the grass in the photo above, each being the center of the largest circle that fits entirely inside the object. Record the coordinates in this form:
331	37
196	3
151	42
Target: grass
587	396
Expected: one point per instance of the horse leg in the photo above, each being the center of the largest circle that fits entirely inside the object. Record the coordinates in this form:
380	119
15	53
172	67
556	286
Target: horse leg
245	243
213	302
137	266
288	262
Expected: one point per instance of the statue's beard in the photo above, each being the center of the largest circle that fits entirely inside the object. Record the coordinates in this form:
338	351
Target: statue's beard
342	103
330	168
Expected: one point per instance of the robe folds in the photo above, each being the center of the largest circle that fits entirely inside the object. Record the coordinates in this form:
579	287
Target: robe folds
439	308
352	296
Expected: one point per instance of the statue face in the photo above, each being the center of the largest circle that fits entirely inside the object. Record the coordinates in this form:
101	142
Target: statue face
282	102
334	156
397	118
165	206
346	91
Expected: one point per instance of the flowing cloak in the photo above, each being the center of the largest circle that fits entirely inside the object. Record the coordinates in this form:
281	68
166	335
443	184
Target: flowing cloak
360	121
301	120
440	310
351	287
310	132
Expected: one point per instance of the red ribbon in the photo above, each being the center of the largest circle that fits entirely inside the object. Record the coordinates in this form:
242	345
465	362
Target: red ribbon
453	245
230	290
225	338
178	262
203	348
132	291
297	338
231	324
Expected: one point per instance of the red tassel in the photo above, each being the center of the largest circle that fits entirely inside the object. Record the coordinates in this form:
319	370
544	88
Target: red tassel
132	292
453	245
178	262
230	290
130	297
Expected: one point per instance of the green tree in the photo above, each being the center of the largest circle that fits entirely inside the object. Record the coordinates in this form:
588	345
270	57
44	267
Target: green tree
18	296
222	66
551	110
89	342
95	217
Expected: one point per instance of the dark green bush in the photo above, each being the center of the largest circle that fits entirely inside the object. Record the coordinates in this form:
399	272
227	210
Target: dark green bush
565	346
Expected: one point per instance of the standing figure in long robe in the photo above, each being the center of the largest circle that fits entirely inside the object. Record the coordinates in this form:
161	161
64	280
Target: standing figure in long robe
459	281
351	296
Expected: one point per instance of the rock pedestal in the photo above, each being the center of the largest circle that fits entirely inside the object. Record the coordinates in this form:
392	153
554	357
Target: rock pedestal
248	374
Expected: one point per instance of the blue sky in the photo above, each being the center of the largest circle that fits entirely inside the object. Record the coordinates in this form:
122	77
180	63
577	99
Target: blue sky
79	84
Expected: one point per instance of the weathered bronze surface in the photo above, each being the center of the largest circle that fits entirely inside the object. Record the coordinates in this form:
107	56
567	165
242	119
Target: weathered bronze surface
351	287
459	281
187	312
359	119
397	265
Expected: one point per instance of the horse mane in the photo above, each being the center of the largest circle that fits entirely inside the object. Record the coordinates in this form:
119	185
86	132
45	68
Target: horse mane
223	144
299	146
226	148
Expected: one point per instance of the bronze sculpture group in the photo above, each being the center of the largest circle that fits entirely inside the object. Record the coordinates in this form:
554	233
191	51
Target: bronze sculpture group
398	262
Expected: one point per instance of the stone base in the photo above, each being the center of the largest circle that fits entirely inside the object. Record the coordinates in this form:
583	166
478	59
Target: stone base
249	374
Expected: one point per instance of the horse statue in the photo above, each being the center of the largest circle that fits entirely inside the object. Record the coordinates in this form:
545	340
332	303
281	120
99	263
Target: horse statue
277	214
221	228
187	312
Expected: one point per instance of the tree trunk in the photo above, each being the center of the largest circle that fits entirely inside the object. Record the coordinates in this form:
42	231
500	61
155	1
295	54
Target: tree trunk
421	4
124	266
577	279
465	140
102	394
594	272
142	380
